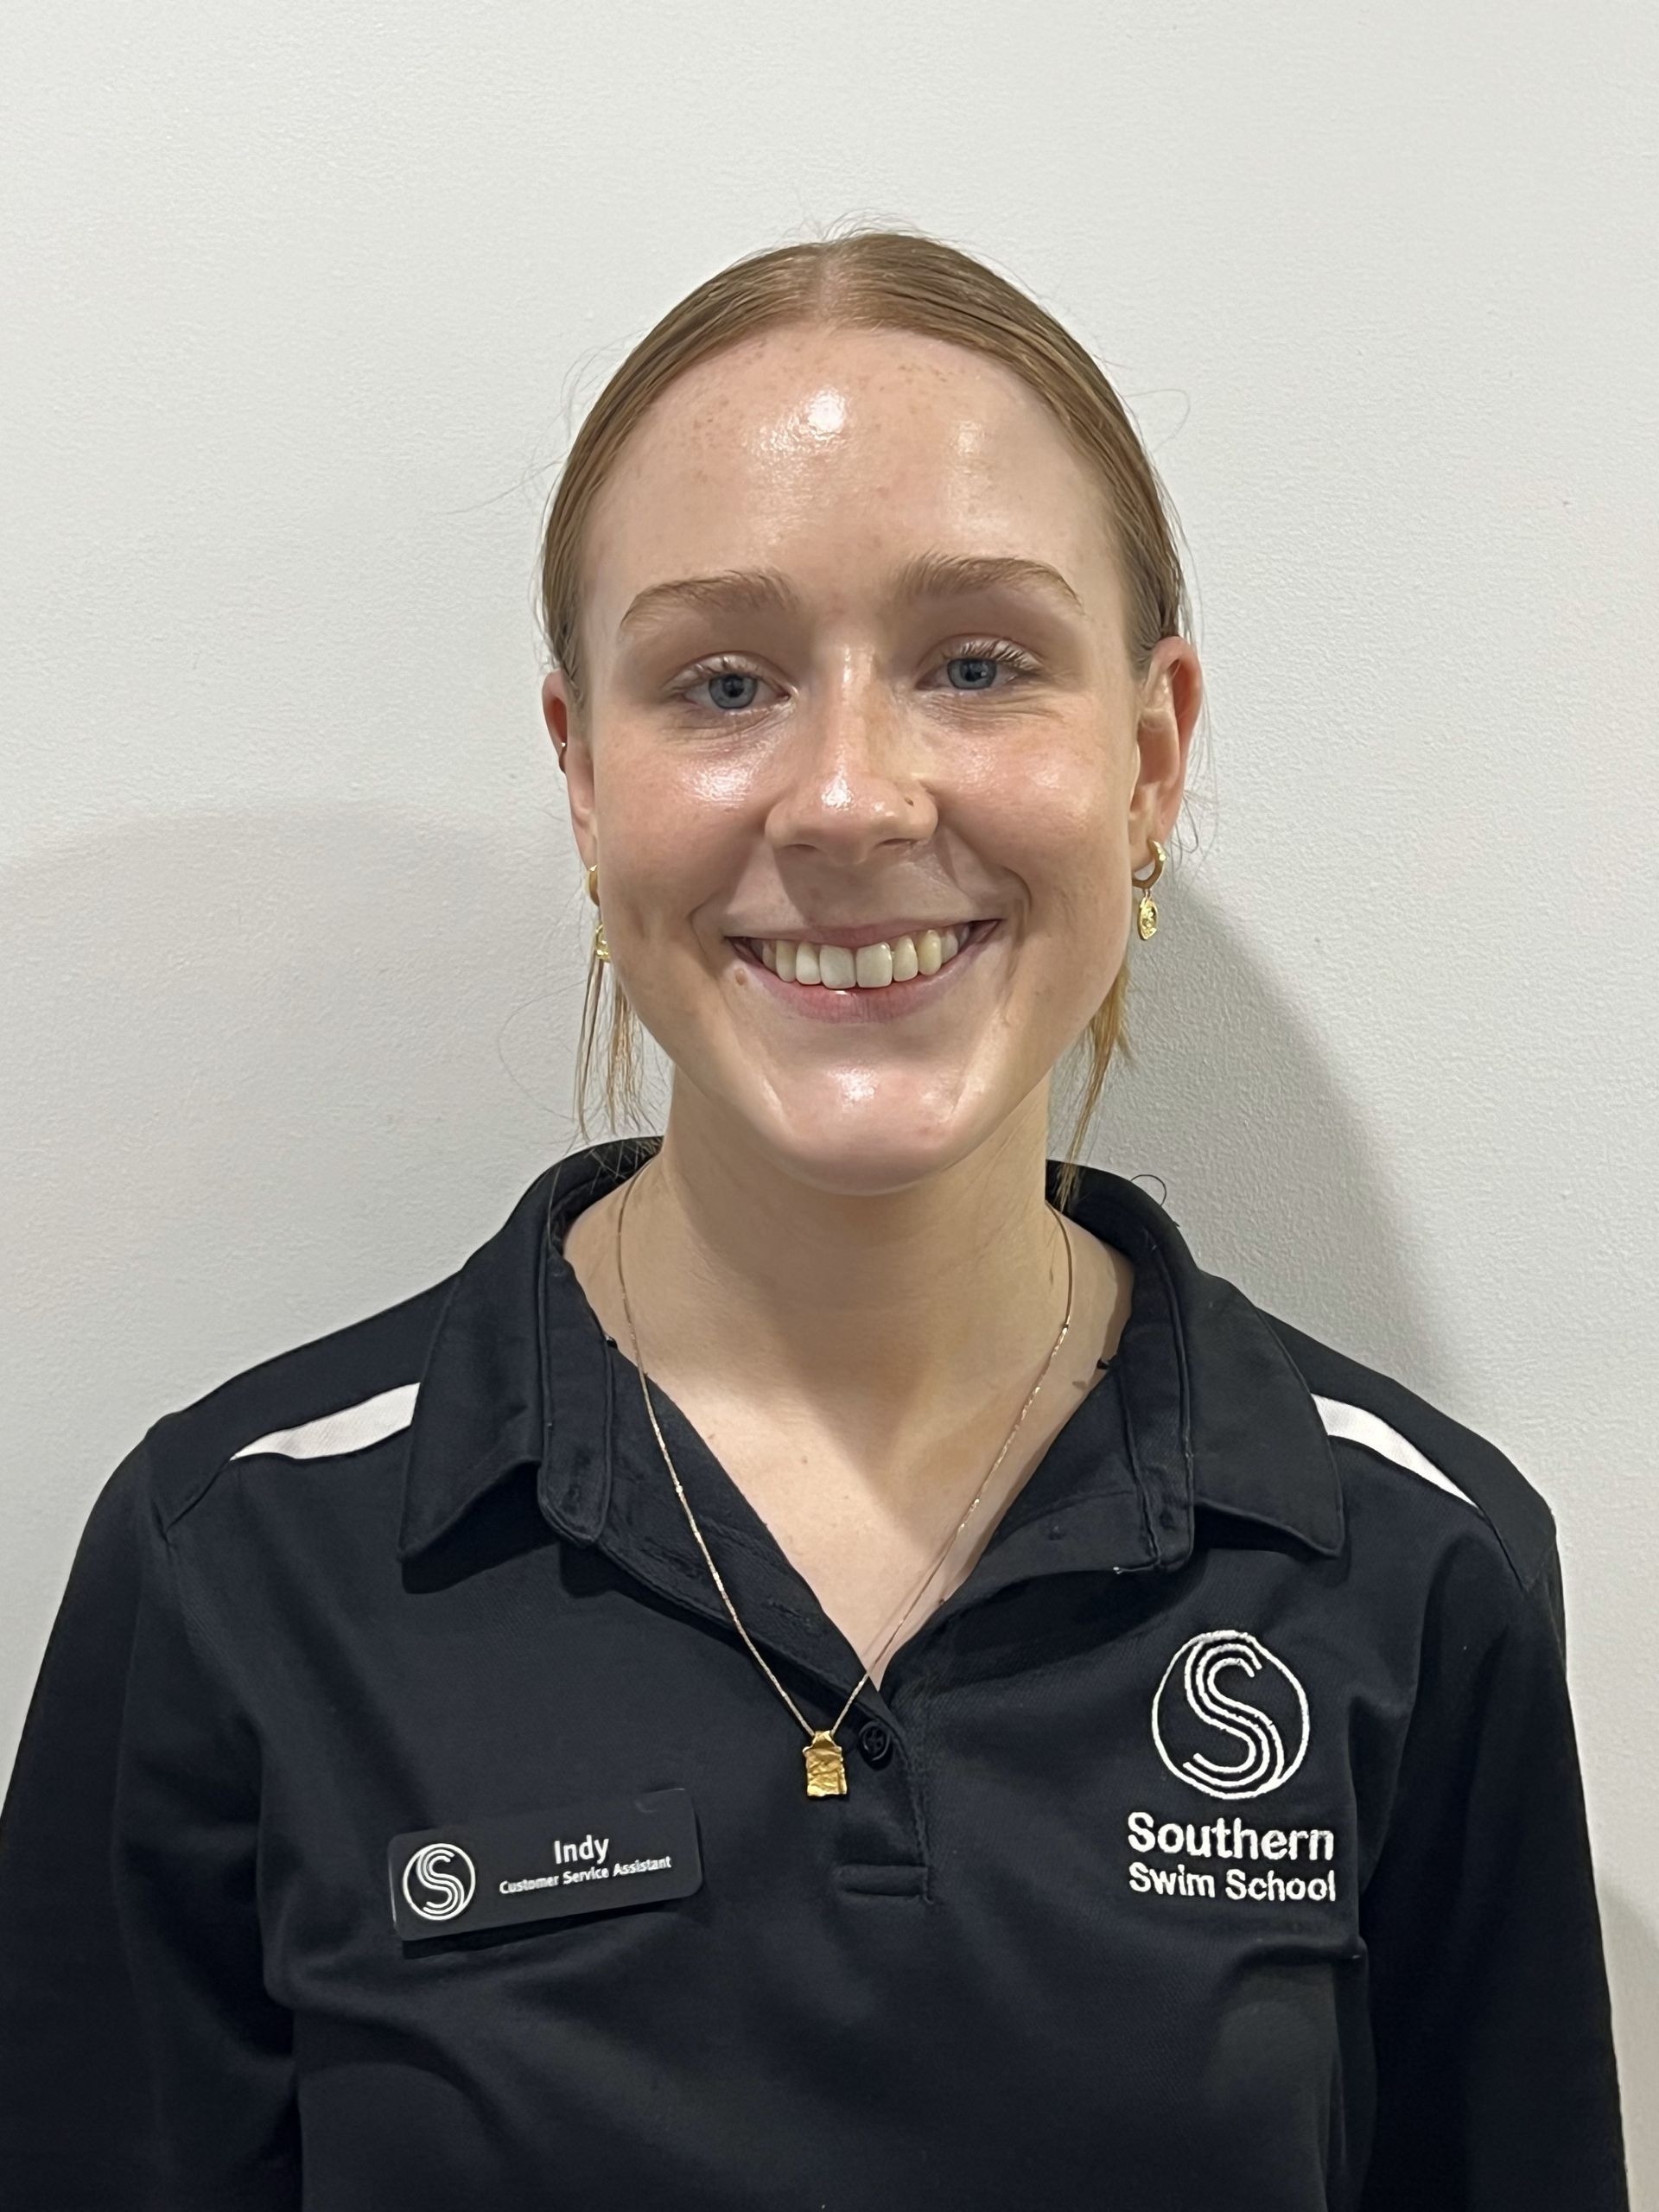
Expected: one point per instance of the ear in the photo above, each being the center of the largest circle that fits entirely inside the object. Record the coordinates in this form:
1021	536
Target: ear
1170	698
566	727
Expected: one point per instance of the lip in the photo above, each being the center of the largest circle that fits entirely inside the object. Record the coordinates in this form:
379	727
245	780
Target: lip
816	1003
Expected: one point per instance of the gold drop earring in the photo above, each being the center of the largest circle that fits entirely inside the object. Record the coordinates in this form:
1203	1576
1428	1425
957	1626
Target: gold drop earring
601	950
1147	919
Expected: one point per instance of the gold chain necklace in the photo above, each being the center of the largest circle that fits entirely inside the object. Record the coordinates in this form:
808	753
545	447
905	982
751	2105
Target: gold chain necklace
826	1768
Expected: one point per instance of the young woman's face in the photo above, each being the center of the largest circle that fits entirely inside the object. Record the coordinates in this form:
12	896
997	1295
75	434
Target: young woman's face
862	736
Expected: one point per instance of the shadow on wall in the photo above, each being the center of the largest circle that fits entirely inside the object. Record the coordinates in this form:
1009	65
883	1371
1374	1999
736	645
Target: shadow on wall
268	1074
1268	1166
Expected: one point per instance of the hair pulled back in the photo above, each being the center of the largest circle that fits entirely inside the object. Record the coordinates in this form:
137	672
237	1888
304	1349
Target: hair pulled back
880	279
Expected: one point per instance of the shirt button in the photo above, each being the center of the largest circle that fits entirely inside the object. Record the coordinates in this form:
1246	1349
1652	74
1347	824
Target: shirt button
875	1743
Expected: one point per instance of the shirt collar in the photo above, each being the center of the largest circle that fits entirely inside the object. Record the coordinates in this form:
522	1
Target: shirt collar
519	1375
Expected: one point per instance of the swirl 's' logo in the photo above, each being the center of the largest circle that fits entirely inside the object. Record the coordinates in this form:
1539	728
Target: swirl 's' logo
1191	1710
431	1868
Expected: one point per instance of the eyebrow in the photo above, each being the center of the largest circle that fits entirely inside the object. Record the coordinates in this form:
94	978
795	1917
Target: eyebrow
925	576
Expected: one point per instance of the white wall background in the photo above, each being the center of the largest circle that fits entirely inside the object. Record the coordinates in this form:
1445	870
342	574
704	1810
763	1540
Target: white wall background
300	307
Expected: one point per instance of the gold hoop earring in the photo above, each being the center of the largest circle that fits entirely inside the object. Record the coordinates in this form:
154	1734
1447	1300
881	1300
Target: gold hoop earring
601	950
1147	919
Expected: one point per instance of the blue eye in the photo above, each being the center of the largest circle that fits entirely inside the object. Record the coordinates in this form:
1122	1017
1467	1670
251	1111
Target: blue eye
720	679
987	664
719	683
988	654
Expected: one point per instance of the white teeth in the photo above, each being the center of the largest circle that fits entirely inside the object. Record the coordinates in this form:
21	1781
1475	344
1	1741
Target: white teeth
870	968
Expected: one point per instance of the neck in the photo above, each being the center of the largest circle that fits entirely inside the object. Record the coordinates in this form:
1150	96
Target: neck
885	1313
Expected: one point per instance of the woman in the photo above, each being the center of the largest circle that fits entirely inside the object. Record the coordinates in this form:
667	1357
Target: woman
829	1664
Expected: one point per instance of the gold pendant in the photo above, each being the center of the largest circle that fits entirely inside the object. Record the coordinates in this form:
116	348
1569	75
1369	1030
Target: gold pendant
1147	921
826	1771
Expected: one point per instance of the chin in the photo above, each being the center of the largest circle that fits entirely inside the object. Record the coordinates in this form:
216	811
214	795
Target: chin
866	1152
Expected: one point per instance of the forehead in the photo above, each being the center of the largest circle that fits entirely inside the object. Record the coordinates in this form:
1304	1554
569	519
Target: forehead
835	455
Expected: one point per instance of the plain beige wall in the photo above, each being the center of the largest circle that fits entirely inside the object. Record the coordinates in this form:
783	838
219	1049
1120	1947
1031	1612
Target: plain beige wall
300	306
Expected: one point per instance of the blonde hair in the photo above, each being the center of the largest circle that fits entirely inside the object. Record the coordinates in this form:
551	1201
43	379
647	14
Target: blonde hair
882	279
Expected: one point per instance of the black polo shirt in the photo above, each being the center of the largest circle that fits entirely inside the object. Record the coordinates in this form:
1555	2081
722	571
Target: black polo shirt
400	1824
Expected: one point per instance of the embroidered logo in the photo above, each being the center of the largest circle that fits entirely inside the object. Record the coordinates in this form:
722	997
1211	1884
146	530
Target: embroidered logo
1192	1715
432	1867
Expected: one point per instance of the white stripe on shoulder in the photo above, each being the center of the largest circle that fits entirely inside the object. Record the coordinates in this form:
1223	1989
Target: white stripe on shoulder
1362	1427
348	1430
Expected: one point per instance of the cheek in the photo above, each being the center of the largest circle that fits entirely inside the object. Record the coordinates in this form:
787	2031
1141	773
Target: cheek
1103	901
673	853
665	766
1071	856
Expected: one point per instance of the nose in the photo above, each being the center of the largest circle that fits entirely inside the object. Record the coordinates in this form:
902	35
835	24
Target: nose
855	772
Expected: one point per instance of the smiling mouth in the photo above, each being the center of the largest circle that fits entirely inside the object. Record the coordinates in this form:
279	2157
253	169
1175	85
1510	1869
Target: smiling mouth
873	968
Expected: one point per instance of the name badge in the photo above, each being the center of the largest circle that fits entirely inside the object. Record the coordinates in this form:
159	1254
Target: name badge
592	1856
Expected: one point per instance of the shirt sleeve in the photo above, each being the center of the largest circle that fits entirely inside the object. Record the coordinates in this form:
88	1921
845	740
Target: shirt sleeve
1497	2088
144	2067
